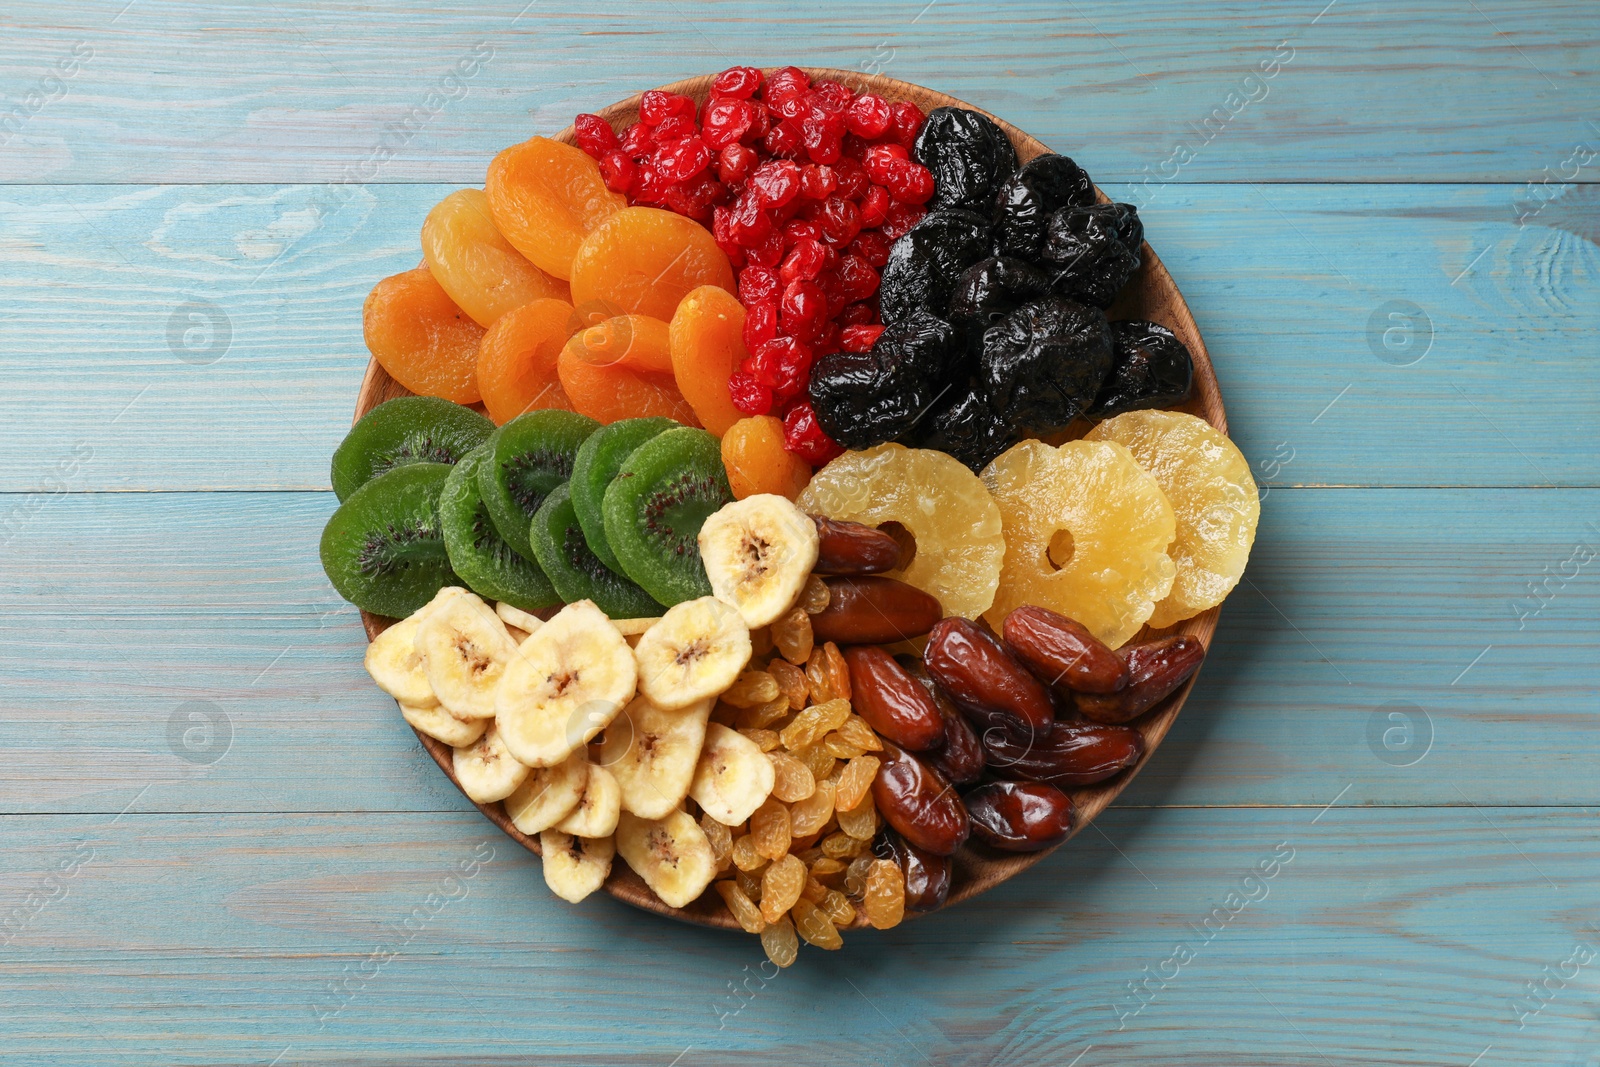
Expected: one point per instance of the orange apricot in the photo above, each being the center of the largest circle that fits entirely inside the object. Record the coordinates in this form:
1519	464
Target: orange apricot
419	335
753	453
707	339
636	342
517	360
643	260
608	393
546	197
476	265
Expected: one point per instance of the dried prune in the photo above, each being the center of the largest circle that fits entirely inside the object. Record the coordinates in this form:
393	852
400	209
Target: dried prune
990	289
964	426
1086	246
863	399
924	263
1043	364
971	158
1041	187
1150	368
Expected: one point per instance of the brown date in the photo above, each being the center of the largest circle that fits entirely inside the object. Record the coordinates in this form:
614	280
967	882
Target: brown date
1075	753
1063	652
1155	669
853	548
927	876
981	677
893	702
1019	816
872	610
918	802
960	758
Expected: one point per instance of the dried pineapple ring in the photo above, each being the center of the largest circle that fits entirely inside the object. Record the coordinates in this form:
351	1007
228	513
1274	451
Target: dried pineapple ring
1115	567
942	504
1216	502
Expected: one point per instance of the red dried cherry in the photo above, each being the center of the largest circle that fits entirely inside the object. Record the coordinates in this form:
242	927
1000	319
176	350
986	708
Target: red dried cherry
760	324
749	395
881	159
741	82
806	259
656	106
803	437
726	121
735	163
679	161
905	119
859	338
618	171
594	135
776	182
874	207
769	250
911	183
803	307
867	116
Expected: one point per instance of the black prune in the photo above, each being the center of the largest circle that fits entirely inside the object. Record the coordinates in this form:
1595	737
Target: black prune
1150	368
966	427
1043	364
1041	187
925	261
1085	246
971	158
866	398
1130	229
992	288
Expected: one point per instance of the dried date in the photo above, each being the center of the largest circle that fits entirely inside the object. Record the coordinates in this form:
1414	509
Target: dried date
1063	652
981	677
873	610
1075	753
919	803
927	875
1019	816
1155	669
892	702
853	548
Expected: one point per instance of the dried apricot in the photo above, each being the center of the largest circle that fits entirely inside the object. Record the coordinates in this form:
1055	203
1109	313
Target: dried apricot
419	335
643	261
707	337
517	360
476	265
757	462
546	197
635	342
612	393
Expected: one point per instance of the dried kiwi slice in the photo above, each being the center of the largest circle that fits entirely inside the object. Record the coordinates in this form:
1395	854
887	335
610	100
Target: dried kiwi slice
384	549
598	461
408	429
478	553
528	457
654	509
566	556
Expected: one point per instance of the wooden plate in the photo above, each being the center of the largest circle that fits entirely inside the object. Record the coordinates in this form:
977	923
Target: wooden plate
1150	295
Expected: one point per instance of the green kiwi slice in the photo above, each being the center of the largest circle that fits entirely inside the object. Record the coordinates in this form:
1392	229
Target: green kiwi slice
654	509
567	557
383	548
408	429
597	463
477	552
528	457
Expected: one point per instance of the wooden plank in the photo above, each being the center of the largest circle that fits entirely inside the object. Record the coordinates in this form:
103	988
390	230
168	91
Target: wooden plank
1285	90
125	608
1358	937
135	317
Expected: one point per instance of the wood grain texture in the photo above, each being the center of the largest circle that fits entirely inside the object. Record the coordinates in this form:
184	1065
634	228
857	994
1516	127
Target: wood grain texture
1283	281
1417	90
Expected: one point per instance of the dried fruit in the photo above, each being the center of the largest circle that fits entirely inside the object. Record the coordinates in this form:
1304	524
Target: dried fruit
793	780
979	675
1043	364
1093	250
752	688
855	731
919	803
855	781
873	609
744	854
818	676
1086	533
852	548
991	289
1074	754
765	740
479	268
814	926
546	197
634	342
960	758
884	896
769	829
867	398
970	156
1214	499
953	526
791	682
837	907
1155	668
1150	368
644	261
840	845
741	907
721	840
1041	187
814	596
927	876
810	814
517	358
966	427
610	393
891	701
707	346
780	943
1063	653
780	887
838	669
418	334
757	462
812	724
1019	816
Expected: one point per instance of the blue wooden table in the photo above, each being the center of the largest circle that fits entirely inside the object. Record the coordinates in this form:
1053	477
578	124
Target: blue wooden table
1371	837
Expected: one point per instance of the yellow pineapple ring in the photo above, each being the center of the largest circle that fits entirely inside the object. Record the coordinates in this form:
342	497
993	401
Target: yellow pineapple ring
1208	482
941	504
1086	534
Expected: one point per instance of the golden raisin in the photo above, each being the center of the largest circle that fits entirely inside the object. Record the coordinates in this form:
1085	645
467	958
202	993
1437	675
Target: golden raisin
742	907
721	839
842	846
827	870
837	747
818	677
814	723
837	907
817	758
781	886
791	681
838	671
780	943
855	876
855	781
814	890
811	814
745	856
885	899
792	779
769	829
760	642
861	821
763	715
766	740
749	882
814	597
856	731
813	925
752	688
792	636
